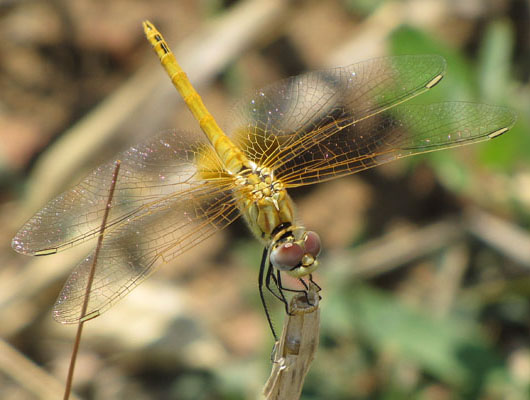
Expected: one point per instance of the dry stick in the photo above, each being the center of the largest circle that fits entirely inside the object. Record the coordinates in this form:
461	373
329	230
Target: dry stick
75	350
296	349
504	236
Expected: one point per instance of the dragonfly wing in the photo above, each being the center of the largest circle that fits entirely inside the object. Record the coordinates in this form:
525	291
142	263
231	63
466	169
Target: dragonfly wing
131	252
166	165
283	114
325	124
170	194
396	133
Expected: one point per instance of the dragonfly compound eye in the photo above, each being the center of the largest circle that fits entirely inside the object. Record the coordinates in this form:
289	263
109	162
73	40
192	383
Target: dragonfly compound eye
312	243
286	256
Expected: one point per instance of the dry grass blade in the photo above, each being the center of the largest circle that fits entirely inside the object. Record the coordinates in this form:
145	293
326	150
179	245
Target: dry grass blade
28	375
396	249
296	349
506	237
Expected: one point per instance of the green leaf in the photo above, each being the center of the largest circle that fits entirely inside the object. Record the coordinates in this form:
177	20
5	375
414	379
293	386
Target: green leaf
451	349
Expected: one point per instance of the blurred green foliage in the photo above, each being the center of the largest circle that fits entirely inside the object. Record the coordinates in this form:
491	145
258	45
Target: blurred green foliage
487	81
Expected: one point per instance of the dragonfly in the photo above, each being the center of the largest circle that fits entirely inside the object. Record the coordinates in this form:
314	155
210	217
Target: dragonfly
174	191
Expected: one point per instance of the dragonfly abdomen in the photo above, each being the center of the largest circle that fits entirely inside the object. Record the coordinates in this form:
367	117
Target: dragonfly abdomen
231	156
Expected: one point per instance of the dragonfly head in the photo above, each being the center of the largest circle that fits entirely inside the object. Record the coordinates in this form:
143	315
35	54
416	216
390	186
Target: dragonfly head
295	251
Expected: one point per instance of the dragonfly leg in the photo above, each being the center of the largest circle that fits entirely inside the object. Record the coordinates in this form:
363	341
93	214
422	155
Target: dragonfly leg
289	289
270	277
278	282
261	295
306	291
279	286
283	288
304	284
314	283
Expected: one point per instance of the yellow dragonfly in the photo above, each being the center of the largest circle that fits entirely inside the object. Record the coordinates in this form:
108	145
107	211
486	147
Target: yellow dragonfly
172	192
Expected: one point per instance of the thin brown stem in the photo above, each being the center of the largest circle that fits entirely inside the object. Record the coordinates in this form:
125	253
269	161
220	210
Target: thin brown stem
92	272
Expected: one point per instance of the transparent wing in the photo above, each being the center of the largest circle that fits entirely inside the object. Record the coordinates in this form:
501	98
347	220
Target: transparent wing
396	133
170	194
326	124
165	166
131	252
288	113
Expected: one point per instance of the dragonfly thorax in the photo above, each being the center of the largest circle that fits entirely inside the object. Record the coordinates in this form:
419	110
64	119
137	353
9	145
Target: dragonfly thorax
269	212
263	201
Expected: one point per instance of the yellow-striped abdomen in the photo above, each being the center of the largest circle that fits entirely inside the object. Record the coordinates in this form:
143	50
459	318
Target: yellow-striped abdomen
231	156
